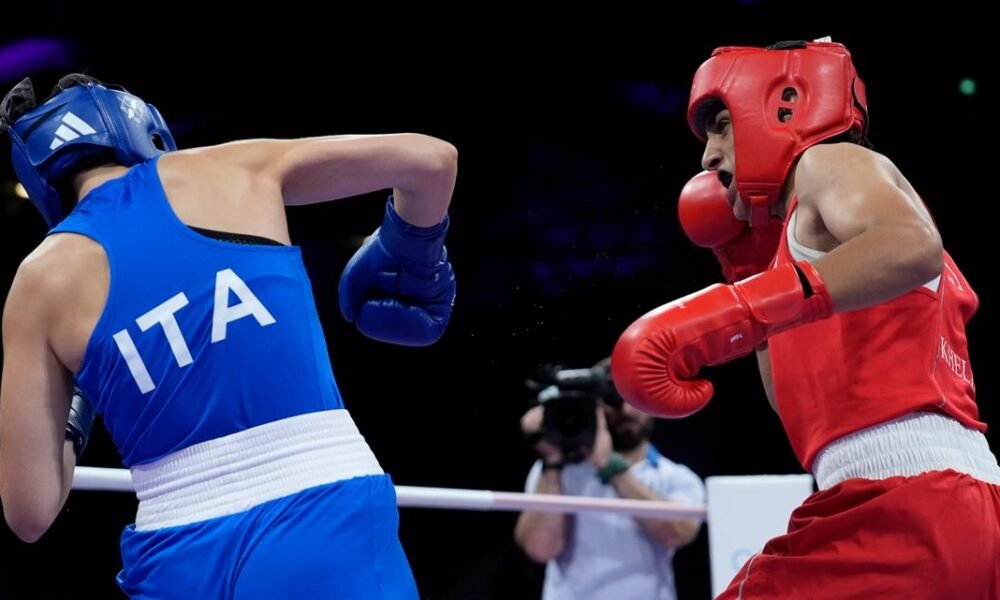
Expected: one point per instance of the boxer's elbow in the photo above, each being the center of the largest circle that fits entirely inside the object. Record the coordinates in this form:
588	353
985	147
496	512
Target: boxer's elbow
422	159
439	157
28	520
29	511
925	255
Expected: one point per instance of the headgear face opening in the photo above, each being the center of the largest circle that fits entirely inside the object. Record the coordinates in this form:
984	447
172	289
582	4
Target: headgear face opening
781	101
83	120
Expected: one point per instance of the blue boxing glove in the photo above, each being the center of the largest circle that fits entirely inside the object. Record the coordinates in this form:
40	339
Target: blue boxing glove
399	286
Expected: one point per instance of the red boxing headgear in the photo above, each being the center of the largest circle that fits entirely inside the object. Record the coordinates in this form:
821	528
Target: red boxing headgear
771	130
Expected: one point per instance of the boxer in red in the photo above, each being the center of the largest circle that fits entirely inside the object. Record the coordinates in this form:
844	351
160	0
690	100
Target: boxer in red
839	281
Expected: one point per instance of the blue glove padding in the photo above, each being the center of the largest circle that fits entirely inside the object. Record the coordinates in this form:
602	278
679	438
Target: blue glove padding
399	286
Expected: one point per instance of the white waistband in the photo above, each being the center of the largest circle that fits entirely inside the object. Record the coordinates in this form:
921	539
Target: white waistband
234	473
907	446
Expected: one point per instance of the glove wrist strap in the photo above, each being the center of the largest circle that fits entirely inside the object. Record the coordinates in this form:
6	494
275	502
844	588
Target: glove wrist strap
787	296
420	244
79	422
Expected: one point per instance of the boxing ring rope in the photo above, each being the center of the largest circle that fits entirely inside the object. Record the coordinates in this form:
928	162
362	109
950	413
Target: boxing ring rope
120	480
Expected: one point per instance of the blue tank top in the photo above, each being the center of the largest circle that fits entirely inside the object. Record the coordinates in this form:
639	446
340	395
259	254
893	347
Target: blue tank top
200	337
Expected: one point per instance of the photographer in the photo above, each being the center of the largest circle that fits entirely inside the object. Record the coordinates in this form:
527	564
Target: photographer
592	444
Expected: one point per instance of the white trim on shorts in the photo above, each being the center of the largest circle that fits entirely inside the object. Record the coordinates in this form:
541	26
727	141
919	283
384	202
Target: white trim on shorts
908	446
236	472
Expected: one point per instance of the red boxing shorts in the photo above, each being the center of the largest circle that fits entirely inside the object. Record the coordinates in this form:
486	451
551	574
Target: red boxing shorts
930	536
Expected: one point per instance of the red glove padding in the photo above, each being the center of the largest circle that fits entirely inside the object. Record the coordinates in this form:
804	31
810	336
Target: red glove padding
708	221
656	361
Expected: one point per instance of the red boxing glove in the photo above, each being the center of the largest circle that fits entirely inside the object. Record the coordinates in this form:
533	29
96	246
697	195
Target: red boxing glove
656	361
708	221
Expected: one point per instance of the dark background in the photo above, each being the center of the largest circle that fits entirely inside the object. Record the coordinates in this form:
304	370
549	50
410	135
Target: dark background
573	147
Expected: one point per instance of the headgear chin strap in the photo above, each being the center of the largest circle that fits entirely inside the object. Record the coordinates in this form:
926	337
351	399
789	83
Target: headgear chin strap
51	141
781	101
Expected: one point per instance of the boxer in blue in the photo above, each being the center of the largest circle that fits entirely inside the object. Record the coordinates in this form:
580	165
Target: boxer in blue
167	294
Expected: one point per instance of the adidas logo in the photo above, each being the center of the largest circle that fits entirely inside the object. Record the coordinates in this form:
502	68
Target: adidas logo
71	128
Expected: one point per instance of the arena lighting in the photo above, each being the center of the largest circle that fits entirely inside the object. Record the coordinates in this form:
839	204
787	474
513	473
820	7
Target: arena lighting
30	55
967	86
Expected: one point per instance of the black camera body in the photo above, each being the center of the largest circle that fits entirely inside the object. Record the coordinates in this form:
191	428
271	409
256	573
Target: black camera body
570	398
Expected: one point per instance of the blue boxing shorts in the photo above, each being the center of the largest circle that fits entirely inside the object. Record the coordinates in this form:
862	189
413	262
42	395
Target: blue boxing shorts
296	508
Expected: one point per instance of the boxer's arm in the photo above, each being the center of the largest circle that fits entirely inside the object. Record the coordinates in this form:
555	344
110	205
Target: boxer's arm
764	366
36	460
420	170
888	243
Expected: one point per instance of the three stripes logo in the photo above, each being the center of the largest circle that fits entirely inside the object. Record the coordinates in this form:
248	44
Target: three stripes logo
71	128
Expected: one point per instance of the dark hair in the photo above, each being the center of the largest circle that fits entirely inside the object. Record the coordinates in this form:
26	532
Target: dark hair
787	45
18	101
68	81
851	137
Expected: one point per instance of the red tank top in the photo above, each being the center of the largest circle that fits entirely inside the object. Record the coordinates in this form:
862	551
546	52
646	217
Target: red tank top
864	367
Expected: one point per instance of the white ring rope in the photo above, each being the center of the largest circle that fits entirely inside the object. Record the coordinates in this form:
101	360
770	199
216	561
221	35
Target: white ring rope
120	480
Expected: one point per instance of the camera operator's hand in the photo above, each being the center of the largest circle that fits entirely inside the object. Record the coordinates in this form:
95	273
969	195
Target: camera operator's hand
602	441
531	423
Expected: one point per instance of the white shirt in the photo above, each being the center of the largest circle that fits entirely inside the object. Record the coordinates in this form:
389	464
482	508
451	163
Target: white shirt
607	556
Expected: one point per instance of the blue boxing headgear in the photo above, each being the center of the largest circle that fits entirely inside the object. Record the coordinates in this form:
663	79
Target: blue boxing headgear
78	123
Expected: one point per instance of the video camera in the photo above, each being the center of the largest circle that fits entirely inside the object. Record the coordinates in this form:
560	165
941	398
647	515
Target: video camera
569	398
